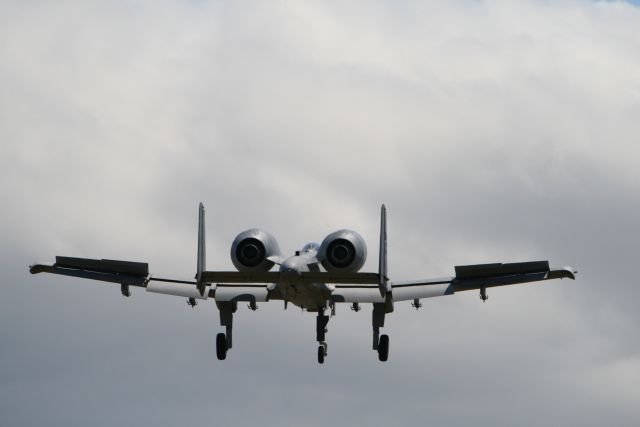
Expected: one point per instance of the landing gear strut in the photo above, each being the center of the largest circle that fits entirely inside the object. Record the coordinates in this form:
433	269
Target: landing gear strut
224	341
380	342
321	329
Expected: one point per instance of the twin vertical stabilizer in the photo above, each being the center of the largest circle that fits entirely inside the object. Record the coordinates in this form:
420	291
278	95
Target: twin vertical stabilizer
382	261
383	283
201	263
383	280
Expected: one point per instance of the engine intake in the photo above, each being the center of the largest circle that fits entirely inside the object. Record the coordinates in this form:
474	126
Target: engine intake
251	248
343	251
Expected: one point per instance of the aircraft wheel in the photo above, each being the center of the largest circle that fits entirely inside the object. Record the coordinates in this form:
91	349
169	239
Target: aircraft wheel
221	346
383	348
321	354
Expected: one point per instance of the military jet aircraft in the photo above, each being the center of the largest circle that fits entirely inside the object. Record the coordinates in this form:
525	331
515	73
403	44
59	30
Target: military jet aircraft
315	278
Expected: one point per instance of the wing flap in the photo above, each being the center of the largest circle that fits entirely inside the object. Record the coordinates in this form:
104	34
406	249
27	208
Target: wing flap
491	282
113	271
473	277
498	269
103	265
513	279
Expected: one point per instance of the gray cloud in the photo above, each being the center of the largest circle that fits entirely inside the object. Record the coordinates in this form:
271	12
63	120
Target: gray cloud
493	131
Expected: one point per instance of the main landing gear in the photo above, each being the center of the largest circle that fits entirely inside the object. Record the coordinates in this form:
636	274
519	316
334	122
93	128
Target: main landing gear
380	342
322	352
383	348
221	346
321	329
224	341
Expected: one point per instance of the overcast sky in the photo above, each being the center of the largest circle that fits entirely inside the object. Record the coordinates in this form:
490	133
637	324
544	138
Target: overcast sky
494	131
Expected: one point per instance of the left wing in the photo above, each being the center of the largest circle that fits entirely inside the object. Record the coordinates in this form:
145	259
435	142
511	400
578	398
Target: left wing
221	285
136	274
105	270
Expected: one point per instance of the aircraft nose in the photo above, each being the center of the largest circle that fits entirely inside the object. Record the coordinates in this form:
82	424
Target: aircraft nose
293	266
289	266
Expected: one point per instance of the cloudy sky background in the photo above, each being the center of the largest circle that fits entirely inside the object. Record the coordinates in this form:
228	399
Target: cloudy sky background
493	130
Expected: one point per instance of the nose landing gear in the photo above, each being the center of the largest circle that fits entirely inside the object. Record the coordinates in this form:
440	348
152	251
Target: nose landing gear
322	352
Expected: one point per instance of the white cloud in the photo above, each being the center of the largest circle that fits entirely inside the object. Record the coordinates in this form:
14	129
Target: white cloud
494	131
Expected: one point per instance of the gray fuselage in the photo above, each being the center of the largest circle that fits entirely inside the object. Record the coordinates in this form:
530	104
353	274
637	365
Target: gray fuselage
310	296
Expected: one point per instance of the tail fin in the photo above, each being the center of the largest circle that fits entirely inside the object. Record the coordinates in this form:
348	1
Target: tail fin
383	280
382	262
201	267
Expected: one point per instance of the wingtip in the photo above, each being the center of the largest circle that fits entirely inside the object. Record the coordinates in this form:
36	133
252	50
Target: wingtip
563	273
568	272
37	268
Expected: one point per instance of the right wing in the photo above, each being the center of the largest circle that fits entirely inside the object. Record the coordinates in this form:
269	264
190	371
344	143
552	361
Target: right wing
470	277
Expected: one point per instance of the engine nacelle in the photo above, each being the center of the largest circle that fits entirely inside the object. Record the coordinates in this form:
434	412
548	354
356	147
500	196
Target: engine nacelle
251	248
343	251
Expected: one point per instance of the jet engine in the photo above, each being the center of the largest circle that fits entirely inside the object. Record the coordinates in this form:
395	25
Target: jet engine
343	251
252	248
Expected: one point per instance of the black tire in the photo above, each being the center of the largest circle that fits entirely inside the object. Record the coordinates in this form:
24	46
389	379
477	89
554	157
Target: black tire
321	355
383	348
221	346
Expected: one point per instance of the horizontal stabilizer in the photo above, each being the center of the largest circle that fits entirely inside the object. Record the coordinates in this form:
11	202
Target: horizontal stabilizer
275	277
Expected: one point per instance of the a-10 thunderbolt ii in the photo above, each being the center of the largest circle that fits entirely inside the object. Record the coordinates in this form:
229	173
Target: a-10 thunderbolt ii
315	278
